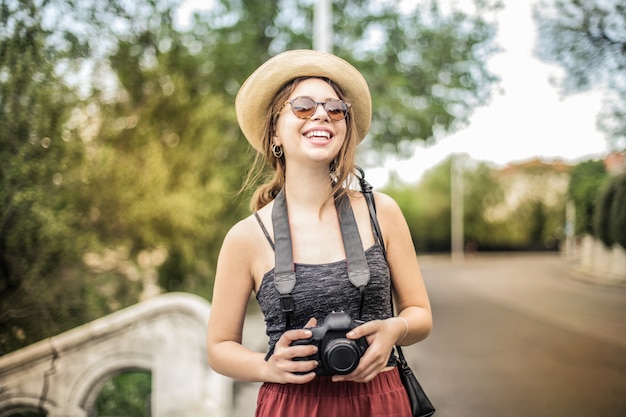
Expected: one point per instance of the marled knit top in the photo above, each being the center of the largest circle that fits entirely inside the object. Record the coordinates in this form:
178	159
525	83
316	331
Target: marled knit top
324	288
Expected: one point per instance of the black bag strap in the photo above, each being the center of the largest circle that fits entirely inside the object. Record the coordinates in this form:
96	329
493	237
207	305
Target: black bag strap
366	189
284	269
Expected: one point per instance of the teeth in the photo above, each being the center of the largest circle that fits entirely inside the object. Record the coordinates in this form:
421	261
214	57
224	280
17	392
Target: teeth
319	134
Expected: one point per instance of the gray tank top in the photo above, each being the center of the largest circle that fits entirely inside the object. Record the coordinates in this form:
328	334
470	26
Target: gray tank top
323	288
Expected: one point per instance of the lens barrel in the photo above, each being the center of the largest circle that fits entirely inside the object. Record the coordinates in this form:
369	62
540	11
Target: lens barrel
341	356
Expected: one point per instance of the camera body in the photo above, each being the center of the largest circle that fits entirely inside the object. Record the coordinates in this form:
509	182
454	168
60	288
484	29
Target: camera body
336	354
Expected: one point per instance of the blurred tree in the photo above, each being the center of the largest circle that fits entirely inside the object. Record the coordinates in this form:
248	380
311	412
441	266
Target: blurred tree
609	217
618	214
426	67
171	161
430	220
588	40
602	217
43	232
534	205
586	181
482	192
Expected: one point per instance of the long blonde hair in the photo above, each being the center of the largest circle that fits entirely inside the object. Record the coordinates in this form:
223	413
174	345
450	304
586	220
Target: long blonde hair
341	170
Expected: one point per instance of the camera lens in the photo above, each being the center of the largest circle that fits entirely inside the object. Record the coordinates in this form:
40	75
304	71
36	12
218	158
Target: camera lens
341	356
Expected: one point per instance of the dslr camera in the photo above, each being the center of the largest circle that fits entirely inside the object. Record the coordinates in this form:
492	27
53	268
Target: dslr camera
336	354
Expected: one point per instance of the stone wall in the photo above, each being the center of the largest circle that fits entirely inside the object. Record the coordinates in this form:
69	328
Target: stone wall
601	264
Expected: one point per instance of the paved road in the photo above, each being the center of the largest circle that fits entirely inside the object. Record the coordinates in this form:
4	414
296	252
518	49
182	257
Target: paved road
514	335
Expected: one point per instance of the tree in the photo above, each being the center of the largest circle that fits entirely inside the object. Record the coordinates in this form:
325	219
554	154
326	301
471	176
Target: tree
482	192
586	181
603	224
618	214
42	226
588	40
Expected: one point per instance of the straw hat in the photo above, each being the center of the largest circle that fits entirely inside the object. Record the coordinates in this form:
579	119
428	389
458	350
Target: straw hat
256	94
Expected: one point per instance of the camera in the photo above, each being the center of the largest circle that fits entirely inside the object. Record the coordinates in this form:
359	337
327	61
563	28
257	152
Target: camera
336	354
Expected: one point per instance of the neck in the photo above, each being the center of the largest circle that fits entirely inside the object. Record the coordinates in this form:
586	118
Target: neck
308	188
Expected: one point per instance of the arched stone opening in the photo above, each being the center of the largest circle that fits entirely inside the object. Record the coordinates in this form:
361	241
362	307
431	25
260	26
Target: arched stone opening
22	407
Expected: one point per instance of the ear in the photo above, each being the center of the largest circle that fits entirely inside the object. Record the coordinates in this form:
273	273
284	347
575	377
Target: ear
276	141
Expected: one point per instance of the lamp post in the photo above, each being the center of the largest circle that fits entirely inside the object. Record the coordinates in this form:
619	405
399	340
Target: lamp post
322	26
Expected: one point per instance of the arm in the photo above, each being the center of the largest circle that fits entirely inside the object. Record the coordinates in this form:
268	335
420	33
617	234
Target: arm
234	283
410	296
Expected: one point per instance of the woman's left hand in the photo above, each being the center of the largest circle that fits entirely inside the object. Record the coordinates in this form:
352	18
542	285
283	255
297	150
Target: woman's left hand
381	336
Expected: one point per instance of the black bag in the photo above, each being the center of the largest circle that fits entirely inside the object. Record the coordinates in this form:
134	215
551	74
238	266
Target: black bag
420	404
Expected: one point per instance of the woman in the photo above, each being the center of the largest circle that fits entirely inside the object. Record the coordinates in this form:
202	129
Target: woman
305	112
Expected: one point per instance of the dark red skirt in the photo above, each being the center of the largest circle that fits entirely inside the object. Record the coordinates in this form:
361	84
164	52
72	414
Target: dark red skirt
384	396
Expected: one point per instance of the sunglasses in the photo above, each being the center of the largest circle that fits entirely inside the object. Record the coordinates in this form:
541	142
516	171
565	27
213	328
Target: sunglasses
305	107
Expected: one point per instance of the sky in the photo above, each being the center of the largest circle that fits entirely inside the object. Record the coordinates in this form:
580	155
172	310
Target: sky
526	118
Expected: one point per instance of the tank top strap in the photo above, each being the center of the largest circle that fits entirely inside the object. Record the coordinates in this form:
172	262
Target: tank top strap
265	232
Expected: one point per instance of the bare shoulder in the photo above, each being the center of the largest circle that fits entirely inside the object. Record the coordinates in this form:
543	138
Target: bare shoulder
386	205
242	236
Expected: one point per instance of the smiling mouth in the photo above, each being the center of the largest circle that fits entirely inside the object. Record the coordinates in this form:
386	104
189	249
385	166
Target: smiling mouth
318	135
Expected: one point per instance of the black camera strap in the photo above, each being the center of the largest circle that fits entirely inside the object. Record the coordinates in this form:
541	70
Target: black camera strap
284	268
366	189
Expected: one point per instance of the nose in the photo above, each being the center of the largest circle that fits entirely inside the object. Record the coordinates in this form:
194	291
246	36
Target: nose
320	112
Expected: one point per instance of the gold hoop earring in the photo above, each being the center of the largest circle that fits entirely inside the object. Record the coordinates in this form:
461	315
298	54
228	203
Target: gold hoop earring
277	151
333	170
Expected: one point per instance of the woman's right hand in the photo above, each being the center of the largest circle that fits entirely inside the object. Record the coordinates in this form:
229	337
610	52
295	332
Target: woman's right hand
283	369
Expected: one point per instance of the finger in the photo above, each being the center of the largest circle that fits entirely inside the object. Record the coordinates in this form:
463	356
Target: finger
301	351
300	378
311	323
291	335
364	329
304	367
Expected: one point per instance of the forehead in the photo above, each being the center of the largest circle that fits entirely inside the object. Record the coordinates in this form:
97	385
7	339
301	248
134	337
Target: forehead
315	88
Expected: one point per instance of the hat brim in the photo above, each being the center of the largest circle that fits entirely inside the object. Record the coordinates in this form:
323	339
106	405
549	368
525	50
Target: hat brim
257	92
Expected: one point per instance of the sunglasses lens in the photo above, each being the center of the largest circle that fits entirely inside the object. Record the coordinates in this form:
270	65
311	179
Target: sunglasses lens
303	107
336	109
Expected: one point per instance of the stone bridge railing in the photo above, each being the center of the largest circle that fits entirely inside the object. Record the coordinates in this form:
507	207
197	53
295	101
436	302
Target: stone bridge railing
165	335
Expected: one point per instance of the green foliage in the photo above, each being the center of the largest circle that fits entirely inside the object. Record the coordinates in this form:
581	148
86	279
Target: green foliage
482	192
618	211
426	207
610	215
518	208
588	40
43	234
603	214
426	68
127	394
586	181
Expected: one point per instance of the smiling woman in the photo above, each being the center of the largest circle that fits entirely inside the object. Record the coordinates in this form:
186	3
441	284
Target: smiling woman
309	253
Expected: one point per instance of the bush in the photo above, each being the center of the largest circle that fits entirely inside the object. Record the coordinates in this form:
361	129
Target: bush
586	181
618	211
610	213
602	215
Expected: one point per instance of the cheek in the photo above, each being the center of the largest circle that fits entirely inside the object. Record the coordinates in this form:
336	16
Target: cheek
285	128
